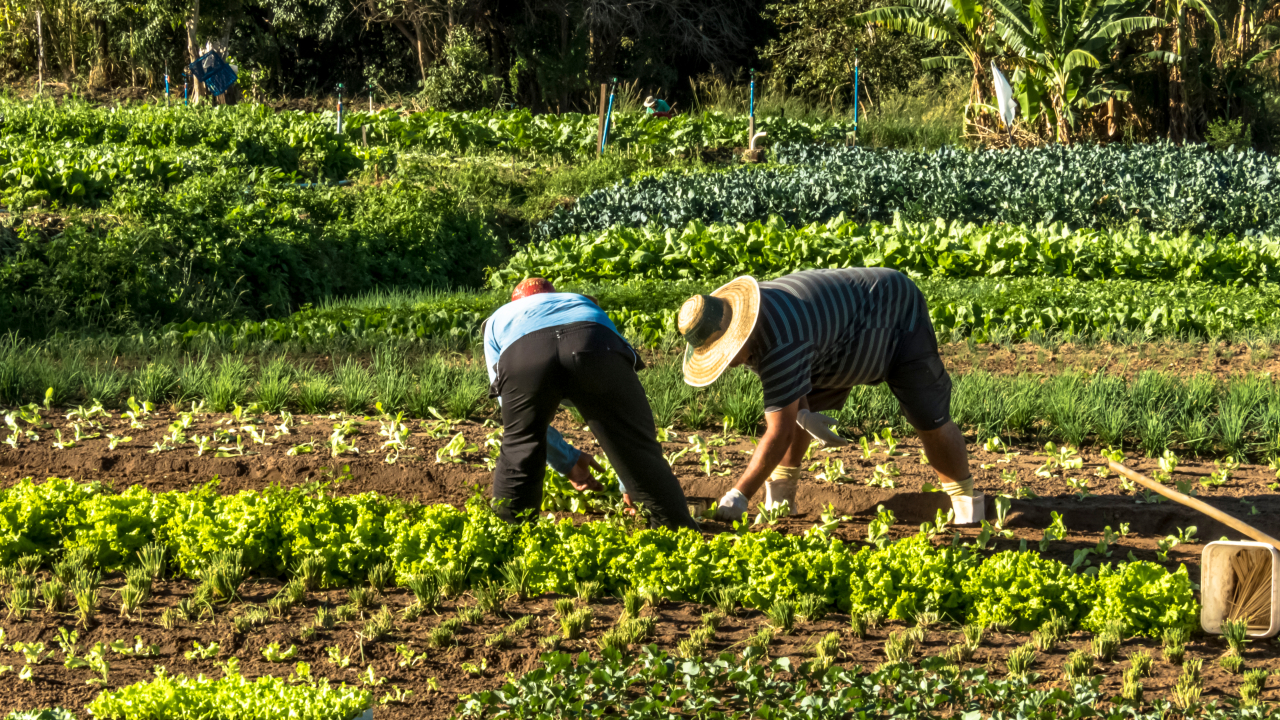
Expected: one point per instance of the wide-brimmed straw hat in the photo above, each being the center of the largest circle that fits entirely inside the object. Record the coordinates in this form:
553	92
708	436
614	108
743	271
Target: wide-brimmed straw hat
650	102
716	326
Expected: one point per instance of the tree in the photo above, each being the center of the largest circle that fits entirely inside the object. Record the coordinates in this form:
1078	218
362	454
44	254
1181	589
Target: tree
1064	52
821	39
962	24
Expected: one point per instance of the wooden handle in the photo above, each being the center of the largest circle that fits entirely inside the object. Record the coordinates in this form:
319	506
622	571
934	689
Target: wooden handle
1213	512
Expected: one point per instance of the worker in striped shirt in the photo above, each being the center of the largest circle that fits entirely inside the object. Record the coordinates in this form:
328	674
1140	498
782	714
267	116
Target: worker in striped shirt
811	336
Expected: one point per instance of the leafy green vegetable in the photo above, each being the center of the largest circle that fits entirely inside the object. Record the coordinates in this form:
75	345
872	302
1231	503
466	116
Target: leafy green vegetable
231	696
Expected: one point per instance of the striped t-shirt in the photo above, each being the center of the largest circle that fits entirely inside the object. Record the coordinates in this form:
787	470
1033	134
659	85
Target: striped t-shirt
829	329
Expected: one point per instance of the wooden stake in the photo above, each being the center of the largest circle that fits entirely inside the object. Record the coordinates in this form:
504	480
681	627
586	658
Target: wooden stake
604	100
39	53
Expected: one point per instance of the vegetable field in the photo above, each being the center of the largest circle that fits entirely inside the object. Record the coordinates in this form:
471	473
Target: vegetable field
248	438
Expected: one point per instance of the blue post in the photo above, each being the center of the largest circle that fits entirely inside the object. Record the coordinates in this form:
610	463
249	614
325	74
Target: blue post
753	94
166	82
855	101
608	115
339	108
184	87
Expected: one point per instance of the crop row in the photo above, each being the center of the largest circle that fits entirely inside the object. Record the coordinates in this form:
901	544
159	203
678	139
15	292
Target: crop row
279	530
987	310
1153	410
1163	187
937	249
266	137
753	685
296	697
576	135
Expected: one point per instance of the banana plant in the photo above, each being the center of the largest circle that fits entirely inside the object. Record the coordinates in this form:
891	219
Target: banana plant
1064	53
963	24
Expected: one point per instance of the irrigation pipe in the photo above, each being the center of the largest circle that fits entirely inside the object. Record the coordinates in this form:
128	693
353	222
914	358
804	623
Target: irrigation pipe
1213	512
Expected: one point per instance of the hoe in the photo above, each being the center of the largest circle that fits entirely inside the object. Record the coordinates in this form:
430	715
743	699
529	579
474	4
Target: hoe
1237	579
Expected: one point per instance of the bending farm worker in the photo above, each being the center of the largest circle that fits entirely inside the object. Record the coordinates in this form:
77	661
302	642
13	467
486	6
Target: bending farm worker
545	348
811	336
654	105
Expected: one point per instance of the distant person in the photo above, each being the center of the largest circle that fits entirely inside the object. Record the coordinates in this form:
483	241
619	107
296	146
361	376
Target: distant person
544	348
811	336
657	106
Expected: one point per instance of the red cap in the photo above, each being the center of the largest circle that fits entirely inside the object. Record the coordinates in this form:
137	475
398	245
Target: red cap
532	286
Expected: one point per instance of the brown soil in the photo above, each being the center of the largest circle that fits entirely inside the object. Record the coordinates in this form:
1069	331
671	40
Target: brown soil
417	475
436	679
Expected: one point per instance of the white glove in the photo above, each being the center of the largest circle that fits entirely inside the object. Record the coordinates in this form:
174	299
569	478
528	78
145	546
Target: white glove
731	506
819	426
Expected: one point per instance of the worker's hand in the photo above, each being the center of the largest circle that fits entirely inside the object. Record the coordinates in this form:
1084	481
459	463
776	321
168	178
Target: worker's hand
819	426
580	474
731	506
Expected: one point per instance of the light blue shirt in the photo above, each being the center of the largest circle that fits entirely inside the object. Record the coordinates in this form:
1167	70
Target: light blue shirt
529	314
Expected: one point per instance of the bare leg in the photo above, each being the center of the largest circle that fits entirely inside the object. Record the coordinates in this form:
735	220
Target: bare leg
945	448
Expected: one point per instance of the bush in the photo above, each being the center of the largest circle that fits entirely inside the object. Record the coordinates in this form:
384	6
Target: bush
224	247
464	80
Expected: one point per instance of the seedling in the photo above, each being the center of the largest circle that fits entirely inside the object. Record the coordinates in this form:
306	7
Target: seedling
1186	693
878	529
883	475
138	649
1078	665
1251	687
274	654
830	470
32	653
811	607
898	647
1140	663
1235	633
473	669
782	615
335	657
1080	486
1174	644
453	451
202	652
1221	473
575	623
1056	531
759	642
1020	660
769	516
1164	546
1232	663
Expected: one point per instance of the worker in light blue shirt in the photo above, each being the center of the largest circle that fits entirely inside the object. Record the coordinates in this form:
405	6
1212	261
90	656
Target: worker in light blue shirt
545	348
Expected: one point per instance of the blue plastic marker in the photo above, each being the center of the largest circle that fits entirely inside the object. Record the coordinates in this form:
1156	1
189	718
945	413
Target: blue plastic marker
604	138
855	100
753	93
166	82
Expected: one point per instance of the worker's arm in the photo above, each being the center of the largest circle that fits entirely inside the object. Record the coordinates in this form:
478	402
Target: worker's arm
780	428
571	462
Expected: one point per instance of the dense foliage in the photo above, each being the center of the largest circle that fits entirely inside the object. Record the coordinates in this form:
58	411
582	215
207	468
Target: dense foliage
231	696
1160	186
236	245
276	528
768	249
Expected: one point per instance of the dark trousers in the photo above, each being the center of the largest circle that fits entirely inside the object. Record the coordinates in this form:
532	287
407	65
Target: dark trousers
588	364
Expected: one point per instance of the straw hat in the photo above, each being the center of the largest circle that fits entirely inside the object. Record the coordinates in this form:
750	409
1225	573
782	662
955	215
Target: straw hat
650	102
716	326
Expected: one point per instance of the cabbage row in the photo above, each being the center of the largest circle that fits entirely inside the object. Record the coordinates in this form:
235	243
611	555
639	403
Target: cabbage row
276	528
938	249
1161	186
